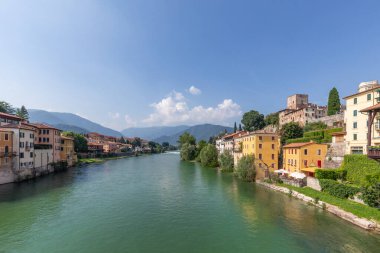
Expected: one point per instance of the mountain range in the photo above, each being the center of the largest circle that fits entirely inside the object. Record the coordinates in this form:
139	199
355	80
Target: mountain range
75	123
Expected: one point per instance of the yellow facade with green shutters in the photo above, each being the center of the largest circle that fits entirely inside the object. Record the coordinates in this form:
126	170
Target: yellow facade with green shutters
264	147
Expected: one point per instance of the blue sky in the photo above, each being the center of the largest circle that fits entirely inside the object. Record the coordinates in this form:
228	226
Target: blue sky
132	63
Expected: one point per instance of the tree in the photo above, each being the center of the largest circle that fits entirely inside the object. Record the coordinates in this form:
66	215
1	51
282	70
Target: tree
6	108
226	161
253	121
315	126
240	128
188	152
290	131
80	142
246	169
165	145
235	128
272	119
23	113
209	156
122	140
136	142
186	138
333	106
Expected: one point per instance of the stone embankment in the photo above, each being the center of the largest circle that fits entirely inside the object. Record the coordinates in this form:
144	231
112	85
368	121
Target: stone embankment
361	222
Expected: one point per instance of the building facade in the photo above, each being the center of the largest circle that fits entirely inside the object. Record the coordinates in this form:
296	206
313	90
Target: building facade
51	137
304	157
67	151
299	110
368	95
7	156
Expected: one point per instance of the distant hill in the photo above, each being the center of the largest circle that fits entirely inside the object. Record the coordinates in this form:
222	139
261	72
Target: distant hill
151	133
71	128
68	121
200	132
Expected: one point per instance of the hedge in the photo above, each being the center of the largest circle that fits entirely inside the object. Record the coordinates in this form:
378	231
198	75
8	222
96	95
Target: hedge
320	136
360	169
336	189
332	174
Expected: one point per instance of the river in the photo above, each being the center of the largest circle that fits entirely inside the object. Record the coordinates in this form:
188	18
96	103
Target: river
159	204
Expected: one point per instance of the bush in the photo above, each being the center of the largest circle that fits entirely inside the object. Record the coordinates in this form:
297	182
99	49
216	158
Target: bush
359	167
371	195
226	161
275	178
337	189
188	152
332	174
246	169
209	156
320	136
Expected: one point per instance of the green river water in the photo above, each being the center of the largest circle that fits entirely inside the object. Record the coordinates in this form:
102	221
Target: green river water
159	204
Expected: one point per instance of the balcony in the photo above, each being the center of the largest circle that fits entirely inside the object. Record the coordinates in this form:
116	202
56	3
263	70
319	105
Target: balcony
373	152
7	154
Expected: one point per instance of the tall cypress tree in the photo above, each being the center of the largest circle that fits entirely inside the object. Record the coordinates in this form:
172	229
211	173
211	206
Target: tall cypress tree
240	128
235	128
333	106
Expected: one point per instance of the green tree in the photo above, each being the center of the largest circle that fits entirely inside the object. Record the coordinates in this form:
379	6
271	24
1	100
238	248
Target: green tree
235	128
186	138
136	142
22	113
253	121
6	107
333	106
165	145
226	161
209	156
80	142
246	169
272	119
290	131
315	126
188	152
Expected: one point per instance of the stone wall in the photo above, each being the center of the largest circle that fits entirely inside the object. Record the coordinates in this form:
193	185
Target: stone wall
335	155
331	121
313	183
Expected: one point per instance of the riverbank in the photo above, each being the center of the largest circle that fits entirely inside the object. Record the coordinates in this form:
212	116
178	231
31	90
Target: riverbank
360	215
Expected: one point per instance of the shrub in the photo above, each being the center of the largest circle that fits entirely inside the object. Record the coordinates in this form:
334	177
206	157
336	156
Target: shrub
332	174
337	189
245	168
226	161
358	167
188	152
371	195
275	178
209	156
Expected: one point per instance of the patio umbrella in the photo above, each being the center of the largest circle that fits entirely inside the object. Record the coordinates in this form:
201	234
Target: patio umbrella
298	175
281	171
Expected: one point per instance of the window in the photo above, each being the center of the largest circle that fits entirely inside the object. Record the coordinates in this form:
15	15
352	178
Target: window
47	139
355	137
21	155
295	151
31	154
39	139
272	156
355	125
305	163
272	138
318	152
6	137
357	150
260	165
260	138
272	165
260	156
369	97
22	144
355	101
305	151
295	162
260	146
355	113
272	146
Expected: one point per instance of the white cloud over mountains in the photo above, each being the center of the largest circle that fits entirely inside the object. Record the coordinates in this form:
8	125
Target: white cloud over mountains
174	109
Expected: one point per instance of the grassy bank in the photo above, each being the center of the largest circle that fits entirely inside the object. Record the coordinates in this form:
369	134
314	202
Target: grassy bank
358	209
98	160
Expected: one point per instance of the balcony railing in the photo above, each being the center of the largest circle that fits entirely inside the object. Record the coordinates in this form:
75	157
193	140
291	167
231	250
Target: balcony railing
7	154
373	152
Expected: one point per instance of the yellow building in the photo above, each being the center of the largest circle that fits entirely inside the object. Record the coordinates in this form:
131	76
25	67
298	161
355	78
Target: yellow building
67	150
304	157
264	147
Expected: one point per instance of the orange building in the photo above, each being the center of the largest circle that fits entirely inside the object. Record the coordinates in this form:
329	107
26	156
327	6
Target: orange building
49	136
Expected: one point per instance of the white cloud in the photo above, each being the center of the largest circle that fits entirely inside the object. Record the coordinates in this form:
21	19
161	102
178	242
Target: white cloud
129	122
194	90
114	115
174	109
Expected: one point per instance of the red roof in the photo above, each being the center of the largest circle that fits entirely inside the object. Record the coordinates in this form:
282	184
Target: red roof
10	116
21	126
371	108
43	126
298	145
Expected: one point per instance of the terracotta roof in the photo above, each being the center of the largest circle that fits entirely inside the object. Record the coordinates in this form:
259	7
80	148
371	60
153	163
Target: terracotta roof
21	126
359	93
338	133
66	138
43	126
10	116
298	145
5	130
371	108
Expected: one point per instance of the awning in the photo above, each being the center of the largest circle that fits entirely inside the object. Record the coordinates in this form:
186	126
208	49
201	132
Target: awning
310	169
